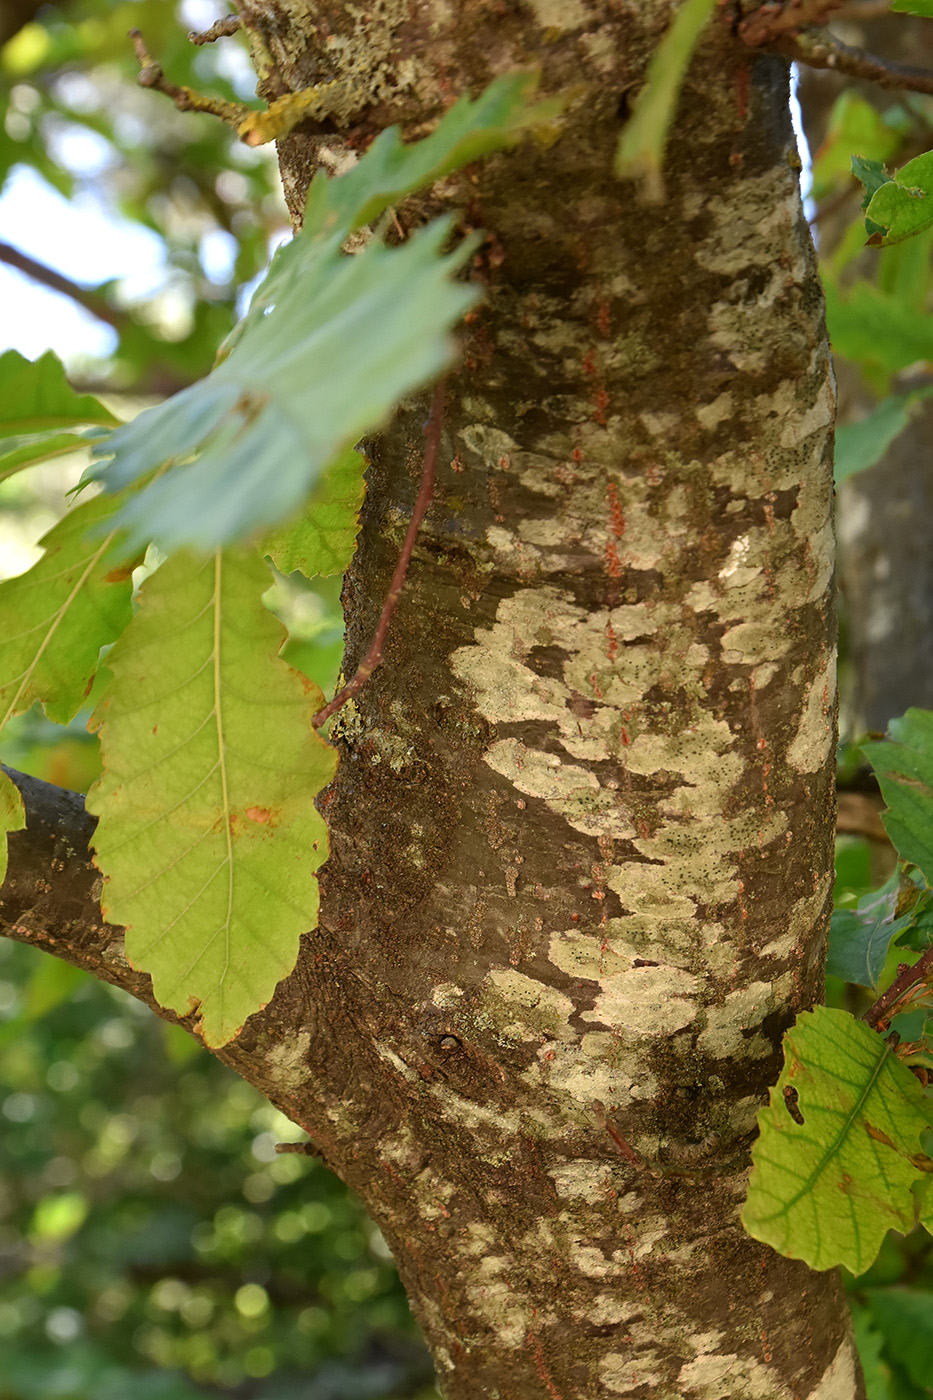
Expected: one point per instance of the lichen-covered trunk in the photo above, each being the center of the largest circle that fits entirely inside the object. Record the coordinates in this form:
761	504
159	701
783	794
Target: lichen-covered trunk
582	824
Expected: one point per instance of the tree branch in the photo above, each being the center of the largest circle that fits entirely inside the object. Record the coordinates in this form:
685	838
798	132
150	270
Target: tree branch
51	896
48	277
817	48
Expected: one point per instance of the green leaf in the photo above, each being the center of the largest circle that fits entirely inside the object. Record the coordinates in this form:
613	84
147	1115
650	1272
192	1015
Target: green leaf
903	206
869	325
905	1318
40	412
914	7
861	445
55	618
208	834
640	153
872	175
859	938
903	765
827	1189
12	816
328	347
320	543
303	384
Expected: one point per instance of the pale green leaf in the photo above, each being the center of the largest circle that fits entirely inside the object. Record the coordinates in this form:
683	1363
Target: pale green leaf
328	347
208	835
853	125
12	816
40	413
306	381
903	765
870	326
827	1189
863	444
320	542
55	618
640	153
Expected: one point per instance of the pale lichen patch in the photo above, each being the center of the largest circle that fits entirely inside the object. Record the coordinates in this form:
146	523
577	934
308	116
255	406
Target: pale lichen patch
591	1180
289	1057
712	1376
646	1001
839	1379
523	1008
621	1374
814	738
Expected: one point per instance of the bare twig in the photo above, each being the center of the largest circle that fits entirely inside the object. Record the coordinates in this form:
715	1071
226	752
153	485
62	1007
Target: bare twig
373	657
218	30
48	277
184	98
819	49
881	1011
775	18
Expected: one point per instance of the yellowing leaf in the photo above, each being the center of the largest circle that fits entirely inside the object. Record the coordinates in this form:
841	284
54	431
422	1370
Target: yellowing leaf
828	1187
12	816
208	834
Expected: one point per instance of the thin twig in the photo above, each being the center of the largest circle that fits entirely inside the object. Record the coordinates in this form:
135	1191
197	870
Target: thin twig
218	30
373	657
48	277
817	48
185	99
880	1010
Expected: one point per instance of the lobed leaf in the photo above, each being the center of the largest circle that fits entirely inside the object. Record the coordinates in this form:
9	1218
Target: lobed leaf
827	1189
328	347
209	838
903	765
55	618
302	384
903	205
40	413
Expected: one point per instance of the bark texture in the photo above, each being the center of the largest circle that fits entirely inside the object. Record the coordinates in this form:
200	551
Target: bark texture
582	824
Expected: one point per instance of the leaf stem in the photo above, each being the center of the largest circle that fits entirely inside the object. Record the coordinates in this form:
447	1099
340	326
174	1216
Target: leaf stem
373	657
880	1011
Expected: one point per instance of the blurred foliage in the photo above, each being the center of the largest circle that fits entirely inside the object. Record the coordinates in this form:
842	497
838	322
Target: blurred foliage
76	118
152	1242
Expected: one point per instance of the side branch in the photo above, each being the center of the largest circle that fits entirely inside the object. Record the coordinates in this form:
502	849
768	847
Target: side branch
819	49
51	895
48	277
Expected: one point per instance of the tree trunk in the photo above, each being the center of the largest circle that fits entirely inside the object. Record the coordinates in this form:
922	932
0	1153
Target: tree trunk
582	824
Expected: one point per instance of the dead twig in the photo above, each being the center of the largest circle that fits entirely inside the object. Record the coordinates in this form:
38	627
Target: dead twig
218	30
820	49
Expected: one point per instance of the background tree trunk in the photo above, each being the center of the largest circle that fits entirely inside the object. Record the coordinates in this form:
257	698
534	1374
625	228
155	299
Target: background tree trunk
582	824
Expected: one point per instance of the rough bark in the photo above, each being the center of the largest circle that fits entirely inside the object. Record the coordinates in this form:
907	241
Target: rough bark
582	825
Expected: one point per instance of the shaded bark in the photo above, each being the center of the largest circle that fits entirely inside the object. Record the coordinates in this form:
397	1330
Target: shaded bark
581	829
